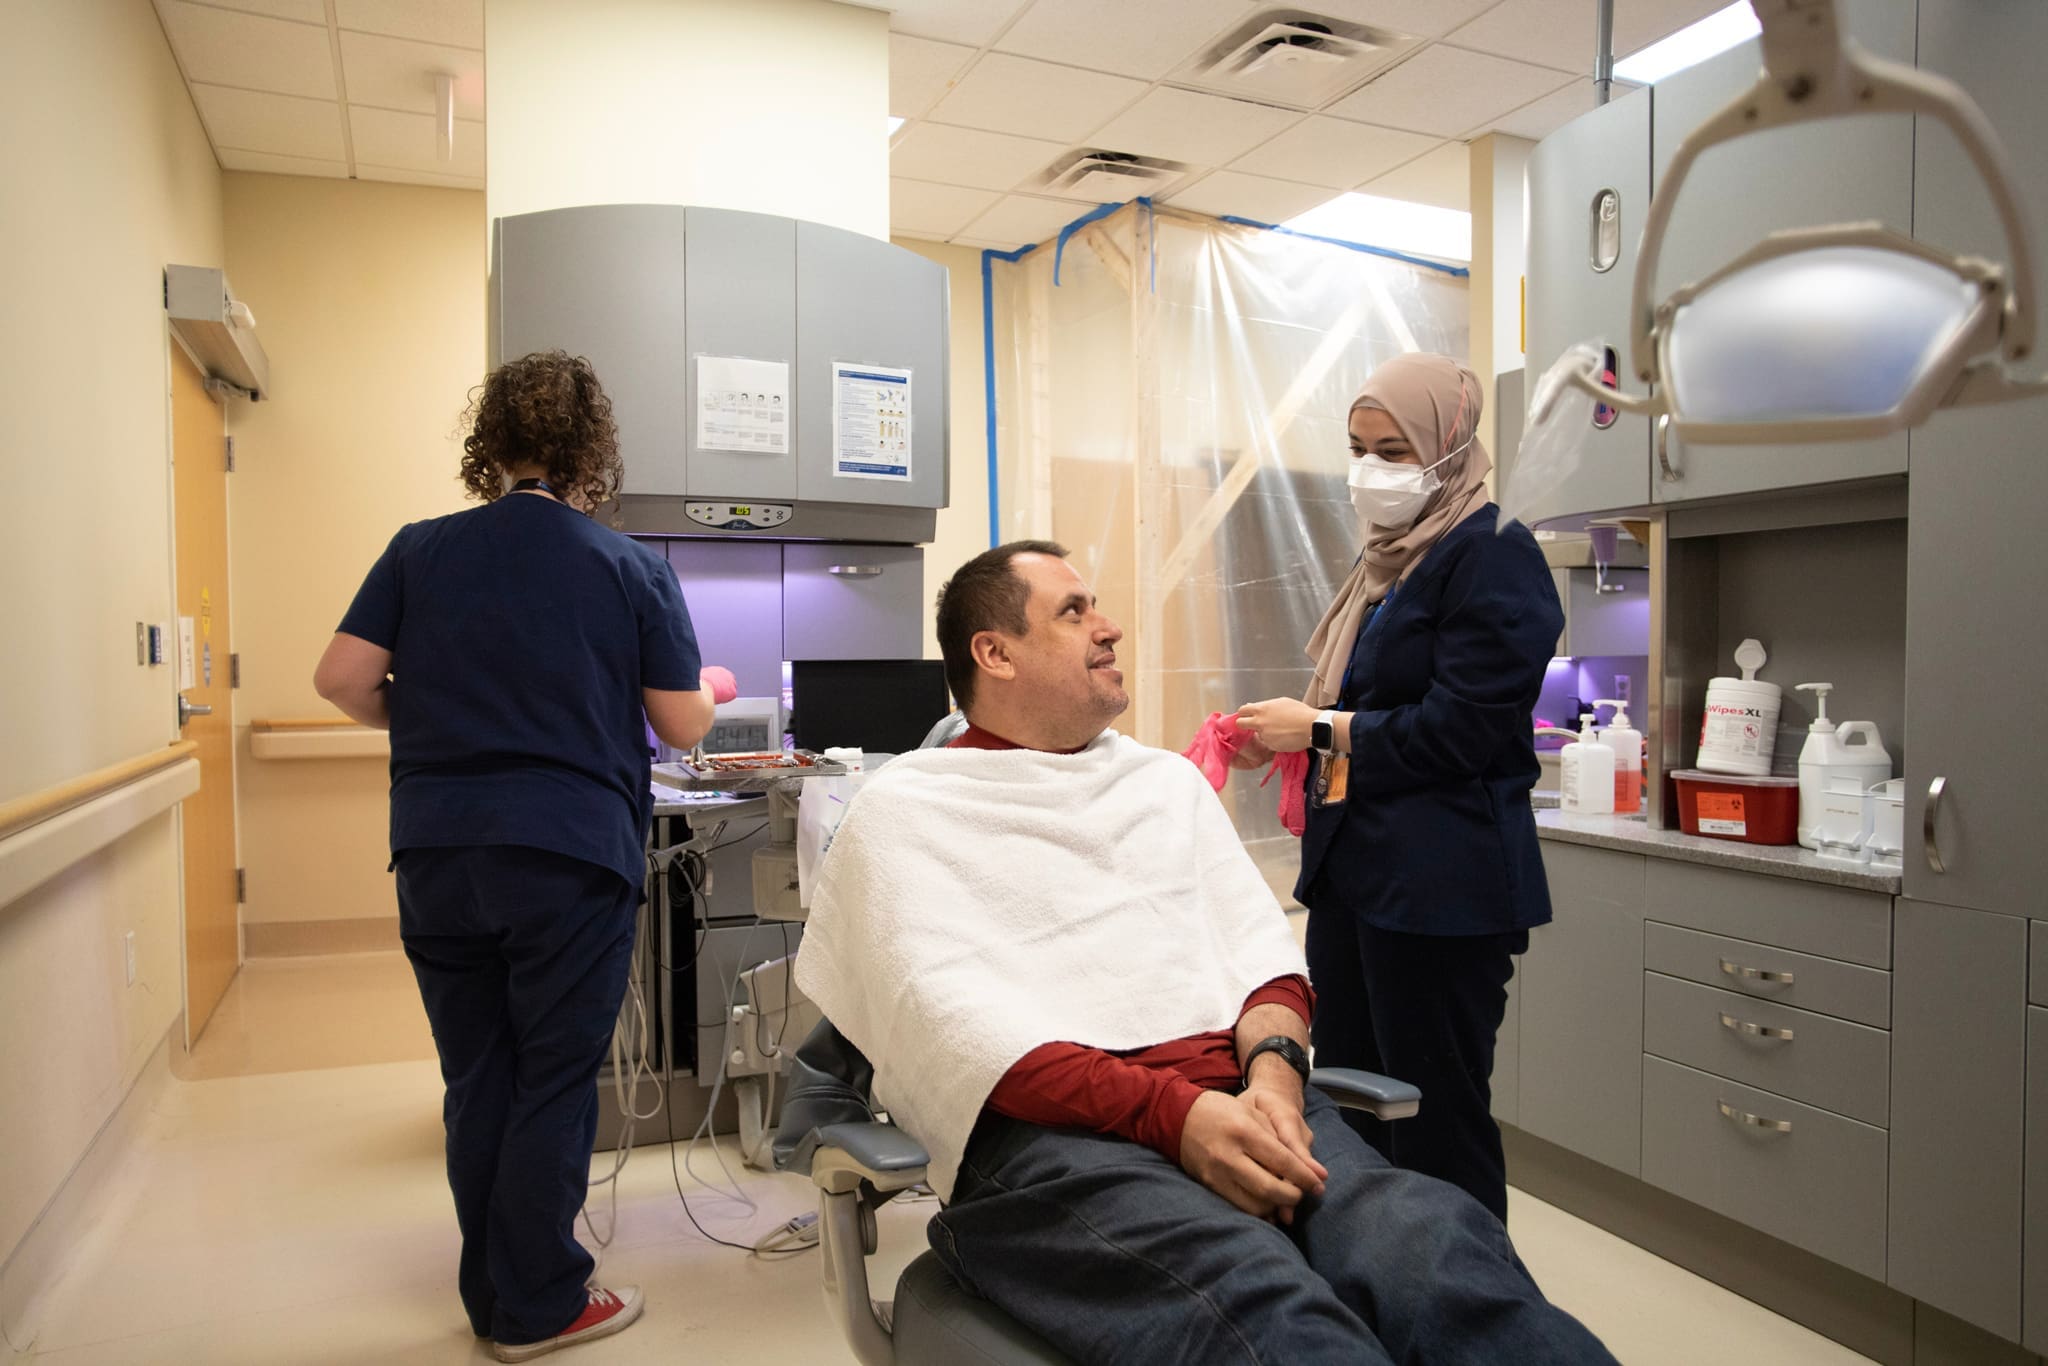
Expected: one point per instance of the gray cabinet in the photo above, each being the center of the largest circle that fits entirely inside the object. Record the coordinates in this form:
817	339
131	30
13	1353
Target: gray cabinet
852	602
741	304
1837	171
2035	1252
608	286
865	302
1959	1069
1572	299
731	587
2037	963
1581	1005
1974	547
1613	622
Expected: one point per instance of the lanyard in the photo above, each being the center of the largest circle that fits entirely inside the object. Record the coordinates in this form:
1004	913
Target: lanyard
543	485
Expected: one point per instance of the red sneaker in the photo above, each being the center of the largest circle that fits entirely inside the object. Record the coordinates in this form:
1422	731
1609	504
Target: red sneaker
609	1311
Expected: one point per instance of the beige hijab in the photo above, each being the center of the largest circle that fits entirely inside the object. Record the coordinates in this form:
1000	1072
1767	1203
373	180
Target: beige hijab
1435	402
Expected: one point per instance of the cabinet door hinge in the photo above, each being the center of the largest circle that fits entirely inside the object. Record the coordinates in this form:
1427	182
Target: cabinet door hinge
229	442
234	671
241	885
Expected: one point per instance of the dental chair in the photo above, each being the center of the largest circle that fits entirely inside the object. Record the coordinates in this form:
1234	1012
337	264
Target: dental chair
859	1163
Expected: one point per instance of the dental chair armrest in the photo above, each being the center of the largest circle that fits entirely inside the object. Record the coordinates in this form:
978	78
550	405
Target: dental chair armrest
881	1155
1382	1097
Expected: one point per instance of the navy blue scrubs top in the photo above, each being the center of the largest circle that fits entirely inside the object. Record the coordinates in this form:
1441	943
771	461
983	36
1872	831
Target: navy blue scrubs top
521	635
1436	835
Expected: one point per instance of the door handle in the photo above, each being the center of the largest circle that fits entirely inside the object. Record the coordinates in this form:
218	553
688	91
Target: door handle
188	710
1671	472
855	571
1935	791
1756	974
1776	1126
1755	1031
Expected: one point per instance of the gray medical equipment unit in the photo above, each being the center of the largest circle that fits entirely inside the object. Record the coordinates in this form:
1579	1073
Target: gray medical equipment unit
757	369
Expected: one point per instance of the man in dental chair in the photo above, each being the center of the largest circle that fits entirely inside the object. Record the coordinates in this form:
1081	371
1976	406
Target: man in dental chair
1079	995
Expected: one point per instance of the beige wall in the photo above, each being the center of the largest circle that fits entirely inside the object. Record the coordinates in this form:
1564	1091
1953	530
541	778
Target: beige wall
1499	256
370	298
963	524
772	106
108	179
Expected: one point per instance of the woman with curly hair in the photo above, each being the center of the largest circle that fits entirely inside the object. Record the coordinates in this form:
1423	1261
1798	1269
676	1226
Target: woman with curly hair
512	650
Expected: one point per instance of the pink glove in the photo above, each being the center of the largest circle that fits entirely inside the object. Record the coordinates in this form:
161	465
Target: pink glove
1293	771
1214	743
720	682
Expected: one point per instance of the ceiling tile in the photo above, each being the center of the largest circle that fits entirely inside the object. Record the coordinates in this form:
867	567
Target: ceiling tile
234	159
220	47
1017	95
1540	119
305	11
1250	196
395	73
456	23
1441	177
1560	33
1143	38
974	22
1422	18
399	175
1334	152
920	71
1447	90
925	210
284	124
964	156
384	138
1018	219
1181	125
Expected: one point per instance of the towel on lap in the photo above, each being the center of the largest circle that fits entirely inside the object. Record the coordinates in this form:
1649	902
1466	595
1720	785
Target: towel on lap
976	904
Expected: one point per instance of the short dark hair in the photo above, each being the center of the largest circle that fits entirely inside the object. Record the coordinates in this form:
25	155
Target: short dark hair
984	594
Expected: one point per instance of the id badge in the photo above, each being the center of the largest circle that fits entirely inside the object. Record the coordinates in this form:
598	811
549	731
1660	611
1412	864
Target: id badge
1333	774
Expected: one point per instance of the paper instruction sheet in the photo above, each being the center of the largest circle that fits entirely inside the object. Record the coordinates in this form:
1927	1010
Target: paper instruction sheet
742	405
870	422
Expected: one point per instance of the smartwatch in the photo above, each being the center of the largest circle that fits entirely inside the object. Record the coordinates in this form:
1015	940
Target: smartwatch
1322	733
1295	1055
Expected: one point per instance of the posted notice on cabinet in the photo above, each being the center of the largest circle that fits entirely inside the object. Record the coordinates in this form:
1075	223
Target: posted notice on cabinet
870	422
742	405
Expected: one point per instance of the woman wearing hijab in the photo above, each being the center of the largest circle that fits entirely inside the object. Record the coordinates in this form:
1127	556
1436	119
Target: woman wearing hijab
1419	866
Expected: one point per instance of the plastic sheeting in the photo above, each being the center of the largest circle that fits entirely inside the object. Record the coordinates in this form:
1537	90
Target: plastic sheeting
1173	410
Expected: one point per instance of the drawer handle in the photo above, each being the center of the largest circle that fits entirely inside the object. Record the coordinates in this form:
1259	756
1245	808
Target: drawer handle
1671	473
1756	974
1935	790
855	571
1756	1031
1776	1126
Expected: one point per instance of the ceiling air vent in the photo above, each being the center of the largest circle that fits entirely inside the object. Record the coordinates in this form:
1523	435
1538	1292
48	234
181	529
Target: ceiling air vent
1293	58
1109	177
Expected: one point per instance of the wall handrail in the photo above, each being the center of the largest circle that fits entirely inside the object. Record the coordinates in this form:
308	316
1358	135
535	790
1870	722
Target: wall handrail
276	723
36	807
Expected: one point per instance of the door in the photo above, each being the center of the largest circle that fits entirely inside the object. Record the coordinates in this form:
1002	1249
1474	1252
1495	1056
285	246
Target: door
1973	545
1589	188
1837	171
200	491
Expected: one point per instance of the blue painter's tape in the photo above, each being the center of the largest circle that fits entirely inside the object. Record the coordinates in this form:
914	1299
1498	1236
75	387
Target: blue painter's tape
1423	261
989	257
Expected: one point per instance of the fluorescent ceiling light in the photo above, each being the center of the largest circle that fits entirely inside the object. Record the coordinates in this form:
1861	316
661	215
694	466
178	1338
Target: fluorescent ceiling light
895	122
1397	224
1691	45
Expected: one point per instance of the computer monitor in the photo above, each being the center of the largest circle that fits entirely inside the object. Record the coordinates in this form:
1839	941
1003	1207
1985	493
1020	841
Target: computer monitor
884	706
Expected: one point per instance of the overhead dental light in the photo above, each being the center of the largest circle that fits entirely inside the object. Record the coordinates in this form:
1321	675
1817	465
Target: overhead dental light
1830	333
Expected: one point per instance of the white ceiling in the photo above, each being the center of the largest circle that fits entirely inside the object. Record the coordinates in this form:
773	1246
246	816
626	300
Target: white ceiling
992	93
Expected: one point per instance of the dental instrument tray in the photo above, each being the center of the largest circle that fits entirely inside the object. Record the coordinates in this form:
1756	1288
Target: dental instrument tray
754	771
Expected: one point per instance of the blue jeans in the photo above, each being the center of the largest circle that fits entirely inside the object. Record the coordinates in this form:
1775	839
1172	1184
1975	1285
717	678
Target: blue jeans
521	957
1114	1254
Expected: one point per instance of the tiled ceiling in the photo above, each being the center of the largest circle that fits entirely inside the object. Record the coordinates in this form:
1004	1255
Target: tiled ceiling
993	93
335	87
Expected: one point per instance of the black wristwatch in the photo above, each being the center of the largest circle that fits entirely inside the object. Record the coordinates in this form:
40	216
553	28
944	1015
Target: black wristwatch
1295	1055
1322	732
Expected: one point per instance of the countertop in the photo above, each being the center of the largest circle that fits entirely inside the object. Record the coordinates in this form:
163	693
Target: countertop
1632	835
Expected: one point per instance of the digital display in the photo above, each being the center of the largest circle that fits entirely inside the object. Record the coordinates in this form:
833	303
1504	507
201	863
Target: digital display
742	510
739	735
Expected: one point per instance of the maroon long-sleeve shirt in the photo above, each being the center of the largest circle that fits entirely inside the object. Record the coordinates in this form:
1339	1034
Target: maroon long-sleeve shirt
1143	1094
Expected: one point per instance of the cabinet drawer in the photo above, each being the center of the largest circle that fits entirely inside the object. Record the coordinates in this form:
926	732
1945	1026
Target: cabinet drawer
1797	1054
852	602
1847	990
1818	1183
2034	1253
1810	917
2037	962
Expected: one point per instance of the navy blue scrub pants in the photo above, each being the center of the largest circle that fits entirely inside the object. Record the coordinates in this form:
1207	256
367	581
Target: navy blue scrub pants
1425	1009
521	956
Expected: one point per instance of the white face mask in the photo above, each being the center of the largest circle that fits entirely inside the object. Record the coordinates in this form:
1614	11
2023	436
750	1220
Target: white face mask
1388	494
